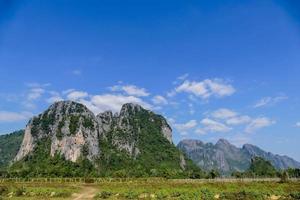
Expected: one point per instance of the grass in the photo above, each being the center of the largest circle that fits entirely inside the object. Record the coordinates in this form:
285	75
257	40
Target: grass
194	190
37	191
154	189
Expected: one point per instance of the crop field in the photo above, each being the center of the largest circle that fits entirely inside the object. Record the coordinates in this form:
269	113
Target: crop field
150	189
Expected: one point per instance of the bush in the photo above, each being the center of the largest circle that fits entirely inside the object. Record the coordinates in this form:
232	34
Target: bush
89	180
104	195
207	194
243	195
131	195
284	177
20	191
295	195
3	190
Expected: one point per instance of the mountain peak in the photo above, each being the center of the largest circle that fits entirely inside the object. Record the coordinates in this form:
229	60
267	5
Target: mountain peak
131	108
223	141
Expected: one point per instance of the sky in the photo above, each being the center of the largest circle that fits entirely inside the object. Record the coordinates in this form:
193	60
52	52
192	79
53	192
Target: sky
215	69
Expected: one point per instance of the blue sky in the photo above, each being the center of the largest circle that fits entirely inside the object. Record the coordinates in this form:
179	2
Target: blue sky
215	69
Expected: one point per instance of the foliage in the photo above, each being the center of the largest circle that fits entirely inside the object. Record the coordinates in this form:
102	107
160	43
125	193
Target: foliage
214	174
293	173
284	177
88	123
9	146
73	126
259	167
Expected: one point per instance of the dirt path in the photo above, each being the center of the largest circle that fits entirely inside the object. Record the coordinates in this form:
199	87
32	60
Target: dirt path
86	193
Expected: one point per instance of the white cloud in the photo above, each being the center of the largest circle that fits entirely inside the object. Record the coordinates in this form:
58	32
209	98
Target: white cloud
130	90
101	103
185	127
183	77
75	95
270	101
196	88
6	116
200	131
159	100
77	72
54	99
68	91
37	85
244	119
298	124
210	125
230	117
35	93
223	113
258	123
206	88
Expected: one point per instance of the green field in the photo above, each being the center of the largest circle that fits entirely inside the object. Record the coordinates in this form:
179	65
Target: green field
151	189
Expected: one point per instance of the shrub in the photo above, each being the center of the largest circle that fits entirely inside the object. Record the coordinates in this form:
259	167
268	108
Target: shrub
20	191
207	194
3	190
243	195
105	195
89	180
284	177
295	195
131	195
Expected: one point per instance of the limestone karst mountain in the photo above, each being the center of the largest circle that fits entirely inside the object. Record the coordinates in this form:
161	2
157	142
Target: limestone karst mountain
133	142
227	158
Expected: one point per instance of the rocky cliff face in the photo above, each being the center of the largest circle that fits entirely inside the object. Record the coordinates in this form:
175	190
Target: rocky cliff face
227	158
74	131
70	127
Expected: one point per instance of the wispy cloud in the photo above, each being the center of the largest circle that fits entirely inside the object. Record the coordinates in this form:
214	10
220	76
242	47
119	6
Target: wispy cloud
104	102
35	93
185	127
209	125
259	123
6	116
130	90
223	113
55	96
297	124
205	89
183	77
238	120
75	95
159	100
269	101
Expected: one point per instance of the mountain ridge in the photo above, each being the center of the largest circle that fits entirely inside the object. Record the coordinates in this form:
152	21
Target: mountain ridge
227	158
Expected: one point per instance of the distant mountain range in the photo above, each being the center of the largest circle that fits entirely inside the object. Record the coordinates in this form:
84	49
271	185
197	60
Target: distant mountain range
228	158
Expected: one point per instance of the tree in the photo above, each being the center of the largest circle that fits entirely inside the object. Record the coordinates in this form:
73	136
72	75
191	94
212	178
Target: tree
284	177
214	174
261	168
